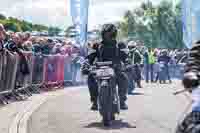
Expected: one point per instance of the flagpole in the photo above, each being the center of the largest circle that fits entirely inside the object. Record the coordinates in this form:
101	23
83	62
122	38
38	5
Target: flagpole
79	13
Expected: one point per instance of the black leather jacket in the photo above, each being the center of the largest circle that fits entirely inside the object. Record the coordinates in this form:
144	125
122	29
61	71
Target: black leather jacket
108	52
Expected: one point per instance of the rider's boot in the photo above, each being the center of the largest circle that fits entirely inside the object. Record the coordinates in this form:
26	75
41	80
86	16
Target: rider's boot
123	106
139	84
94	106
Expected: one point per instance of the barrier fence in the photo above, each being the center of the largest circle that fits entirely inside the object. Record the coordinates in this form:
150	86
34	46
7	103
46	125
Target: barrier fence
21	75
27	73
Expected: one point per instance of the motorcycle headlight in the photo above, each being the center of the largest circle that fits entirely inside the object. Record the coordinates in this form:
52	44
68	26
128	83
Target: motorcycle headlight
105	72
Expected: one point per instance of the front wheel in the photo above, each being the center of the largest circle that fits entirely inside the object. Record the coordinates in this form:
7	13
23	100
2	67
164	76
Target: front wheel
105	104
106	121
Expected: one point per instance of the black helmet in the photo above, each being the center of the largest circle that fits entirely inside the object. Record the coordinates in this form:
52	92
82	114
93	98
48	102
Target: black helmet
111	28
122	45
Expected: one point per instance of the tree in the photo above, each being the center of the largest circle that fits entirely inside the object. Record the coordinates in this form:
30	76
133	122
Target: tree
69	30
157	26
15	24
18	25
12	27
25	26
2	17
54	31
37	27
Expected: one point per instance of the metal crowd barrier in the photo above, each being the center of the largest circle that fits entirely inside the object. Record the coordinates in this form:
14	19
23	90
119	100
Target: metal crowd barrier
46	72
24	82
8	68
53	67
68	71
37	72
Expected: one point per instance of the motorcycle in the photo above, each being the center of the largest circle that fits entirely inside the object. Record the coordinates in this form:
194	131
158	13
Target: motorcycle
108	98
191	123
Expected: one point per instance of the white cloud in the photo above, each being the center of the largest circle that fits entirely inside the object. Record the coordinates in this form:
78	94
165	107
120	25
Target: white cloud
57	12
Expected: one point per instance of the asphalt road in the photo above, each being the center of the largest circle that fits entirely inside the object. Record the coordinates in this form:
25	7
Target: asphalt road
154	109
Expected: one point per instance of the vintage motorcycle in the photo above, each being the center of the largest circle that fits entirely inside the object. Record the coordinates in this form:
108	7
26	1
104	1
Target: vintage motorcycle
108	98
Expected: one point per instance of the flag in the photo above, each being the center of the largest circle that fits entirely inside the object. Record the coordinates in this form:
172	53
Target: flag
79	13
191	21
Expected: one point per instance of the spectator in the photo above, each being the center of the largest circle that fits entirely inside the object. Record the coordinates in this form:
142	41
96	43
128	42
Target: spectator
37	49
57	48
63	51
46	48
146	65
26	36
166	60
151	64
136	59
27	46
2	36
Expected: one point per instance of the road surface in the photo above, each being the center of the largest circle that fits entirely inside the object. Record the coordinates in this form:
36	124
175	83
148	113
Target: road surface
153	109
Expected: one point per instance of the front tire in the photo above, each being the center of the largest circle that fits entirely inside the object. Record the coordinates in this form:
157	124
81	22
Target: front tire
106	121
105	102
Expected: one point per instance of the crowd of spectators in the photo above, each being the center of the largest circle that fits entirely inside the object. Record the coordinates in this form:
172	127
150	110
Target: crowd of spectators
150	59
23	42
153	65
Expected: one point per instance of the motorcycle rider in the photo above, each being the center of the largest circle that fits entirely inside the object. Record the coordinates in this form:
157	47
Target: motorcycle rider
135	59
108	50
191	124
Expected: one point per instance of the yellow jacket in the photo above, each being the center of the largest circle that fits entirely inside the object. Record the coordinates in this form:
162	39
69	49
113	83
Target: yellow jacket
152	59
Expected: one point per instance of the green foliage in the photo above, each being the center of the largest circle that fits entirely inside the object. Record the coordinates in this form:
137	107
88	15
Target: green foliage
12	26
54	31
17	25
156	26
2	17
37	27
68	30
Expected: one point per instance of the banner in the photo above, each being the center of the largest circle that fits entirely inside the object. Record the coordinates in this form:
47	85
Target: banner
79	13
191	21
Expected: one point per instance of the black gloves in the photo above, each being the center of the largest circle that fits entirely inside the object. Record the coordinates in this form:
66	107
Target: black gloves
85	68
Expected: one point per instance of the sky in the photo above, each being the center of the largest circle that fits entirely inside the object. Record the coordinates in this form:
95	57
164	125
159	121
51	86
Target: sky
57	12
